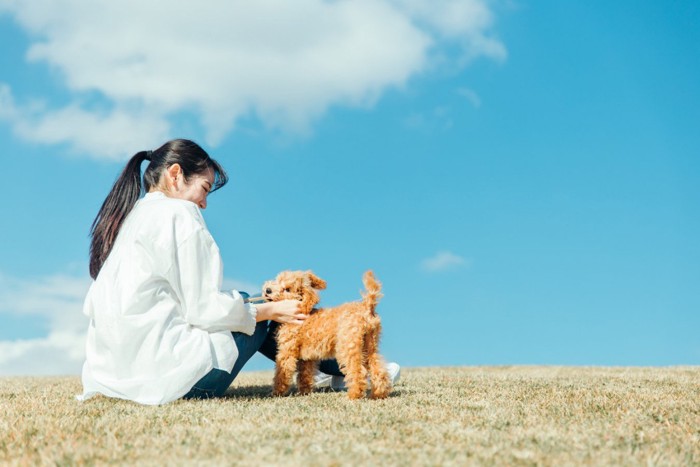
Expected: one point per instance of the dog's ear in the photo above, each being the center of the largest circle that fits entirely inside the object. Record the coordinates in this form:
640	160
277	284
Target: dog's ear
315	281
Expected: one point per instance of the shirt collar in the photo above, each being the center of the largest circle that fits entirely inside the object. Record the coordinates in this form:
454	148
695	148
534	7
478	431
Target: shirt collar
154	195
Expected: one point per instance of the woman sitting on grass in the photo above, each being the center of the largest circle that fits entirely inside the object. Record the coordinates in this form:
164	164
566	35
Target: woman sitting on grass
160	328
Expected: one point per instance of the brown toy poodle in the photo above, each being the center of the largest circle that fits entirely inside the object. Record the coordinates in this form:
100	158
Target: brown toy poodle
349	333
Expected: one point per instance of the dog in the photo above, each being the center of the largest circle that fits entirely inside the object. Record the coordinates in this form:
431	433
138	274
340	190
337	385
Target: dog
349	333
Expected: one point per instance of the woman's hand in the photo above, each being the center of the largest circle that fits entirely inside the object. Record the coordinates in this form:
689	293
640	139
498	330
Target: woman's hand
284	311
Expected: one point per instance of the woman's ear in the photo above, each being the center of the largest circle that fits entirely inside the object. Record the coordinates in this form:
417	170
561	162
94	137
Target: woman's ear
174	174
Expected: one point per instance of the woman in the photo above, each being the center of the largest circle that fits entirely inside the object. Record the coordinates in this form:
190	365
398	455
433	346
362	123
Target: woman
160	328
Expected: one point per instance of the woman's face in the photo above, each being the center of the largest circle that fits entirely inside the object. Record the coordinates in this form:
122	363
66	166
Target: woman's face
195	189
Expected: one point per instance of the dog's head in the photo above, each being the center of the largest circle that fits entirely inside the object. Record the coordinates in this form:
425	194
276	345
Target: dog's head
295	285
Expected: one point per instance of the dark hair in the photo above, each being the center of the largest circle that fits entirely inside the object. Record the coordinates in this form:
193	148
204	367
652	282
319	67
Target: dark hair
127	190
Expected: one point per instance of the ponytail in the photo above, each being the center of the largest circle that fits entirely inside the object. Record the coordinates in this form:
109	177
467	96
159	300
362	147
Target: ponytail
119	202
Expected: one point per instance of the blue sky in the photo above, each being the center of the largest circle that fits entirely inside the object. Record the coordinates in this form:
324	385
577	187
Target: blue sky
522	176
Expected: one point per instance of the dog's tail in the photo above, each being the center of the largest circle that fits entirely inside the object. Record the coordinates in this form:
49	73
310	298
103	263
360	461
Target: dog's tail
372	293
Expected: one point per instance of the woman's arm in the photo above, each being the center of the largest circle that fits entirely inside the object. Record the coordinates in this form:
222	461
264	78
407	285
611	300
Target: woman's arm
284	311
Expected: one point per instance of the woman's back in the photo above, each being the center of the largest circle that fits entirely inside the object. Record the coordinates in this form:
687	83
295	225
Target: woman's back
138	304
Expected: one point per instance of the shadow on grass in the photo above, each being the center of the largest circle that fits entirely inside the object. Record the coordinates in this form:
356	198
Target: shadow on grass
249	392
265	392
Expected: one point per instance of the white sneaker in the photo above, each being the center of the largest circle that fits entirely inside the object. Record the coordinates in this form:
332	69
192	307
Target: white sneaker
322	380
394	370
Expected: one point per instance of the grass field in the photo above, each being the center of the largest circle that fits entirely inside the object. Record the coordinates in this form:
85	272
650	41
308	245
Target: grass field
436	416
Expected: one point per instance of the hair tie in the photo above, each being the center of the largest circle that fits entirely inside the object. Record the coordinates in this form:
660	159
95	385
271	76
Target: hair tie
148	155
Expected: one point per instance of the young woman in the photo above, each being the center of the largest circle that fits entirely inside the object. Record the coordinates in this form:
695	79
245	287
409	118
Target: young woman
160	328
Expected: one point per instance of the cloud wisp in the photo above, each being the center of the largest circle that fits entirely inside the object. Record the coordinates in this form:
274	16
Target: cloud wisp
132	67
443	261
471	96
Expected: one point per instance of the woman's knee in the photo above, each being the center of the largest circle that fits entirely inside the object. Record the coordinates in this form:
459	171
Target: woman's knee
248	345
260	333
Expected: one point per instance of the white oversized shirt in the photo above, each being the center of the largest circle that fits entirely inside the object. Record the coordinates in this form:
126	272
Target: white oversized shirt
158	320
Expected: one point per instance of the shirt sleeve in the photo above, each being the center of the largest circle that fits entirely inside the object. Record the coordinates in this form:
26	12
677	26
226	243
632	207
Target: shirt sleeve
200	273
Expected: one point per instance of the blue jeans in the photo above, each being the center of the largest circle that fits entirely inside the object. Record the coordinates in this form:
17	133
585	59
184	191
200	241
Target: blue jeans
216	382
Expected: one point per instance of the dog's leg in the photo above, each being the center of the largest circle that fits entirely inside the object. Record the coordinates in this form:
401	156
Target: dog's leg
285	366
284	373
305	375
350	353
381	385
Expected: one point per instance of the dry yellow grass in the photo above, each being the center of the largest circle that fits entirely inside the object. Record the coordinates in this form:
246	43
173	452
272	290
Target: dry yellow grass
437	416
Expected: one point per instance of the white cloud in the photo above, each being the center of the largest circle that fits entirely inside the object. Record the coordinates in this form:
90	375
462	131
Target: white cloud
442	261
102	134
284	63
58	301
467	22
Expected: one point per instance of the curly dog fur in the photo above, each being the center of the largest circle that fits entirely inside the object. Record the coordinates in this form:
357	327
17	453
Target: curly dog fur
349	333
